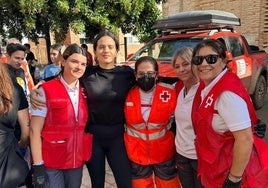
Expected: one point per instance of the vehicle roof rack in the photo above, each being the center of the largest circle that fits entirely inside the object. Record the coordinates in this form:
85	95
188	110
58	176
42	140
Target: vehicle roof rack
198	20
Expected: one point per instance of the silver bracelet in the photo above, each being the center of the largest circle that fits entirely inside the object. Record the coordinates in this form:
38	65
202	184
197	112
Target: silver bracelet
38	164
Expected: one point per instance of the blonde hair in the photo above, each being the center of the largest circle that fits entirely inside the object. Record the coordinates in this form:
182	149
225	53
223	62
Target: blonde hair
6	90
185	53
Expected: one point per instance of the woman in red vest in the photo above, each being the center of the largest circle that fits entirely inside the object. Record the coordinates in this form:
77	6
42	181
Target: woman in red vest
59	143
229	154
106	86
149	142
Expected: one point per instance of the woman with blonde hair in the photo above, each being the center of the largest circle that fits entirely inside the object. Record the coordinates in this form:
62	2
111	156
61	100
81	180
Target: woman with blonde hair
186	87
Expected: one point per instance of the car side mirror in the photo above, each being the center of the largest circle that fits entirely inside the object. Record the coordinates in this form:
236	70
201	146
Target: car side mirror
229	56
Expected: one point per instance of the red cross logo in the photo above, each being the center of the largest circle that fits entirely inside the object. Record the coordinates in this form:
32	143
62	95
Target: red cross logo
165	96
209	101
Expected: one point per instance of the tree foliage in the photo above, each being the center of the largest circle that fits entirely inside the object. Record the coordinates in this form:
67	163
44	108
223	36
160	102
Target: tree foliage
34	18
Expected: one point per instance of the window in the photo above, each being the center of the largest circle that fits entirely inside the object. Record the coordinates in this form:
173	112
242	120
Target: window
164	49
131	39
235	46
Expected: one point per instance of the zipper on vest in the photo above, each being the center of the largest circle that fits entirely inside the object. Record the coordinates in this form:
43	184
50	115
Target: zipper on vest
75	143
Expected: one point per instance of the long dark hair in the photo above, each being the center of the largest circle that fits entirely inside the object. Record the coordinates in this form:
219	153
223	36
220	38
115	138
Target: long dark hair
99	36
102	34
216	46
73	49
146	59
70	50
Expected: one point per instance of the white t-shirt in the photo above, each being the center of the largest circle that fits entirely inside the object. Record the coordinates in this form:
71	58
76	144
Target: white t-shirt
146	102
185	135
232	110
72	92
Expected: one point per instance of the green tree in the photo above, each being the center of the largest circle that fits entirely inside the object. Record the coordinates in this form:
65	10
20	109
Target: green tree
35	18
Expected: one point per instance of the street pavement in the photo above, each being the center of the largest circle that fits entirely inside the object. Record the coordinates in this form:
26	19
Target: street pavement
86	183
109	178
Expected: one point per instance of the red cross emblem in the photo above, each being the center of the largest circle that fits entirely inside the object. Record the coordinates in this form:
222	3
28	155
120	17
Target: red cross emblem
209	101
165	96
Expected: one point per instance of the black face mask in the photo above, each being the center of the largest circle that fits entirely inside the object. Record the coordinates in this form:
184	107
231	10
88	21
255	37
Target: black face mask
146	83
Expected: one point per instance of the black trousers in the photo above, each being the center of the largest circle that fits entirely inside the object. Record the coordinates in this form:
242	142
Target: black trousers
165	170
187	170
114	150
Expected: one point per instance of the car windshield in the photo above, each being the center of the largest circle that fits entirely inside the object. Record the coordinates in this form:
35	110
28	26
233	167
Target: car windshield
163	49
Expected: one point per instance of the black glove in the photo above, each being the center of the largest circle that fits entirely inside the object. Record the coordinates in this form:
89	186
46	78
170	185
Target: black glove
40	179
260	128
229	184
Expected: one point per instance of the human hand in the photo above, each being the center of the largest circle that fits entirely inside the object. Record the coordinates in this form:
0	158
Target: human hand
40	179
229	184
35	101
39	84
22	144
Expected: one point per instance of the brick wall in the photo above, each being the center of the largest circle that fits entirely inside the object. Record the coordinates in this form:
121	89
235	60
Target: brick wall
251	12
71	37
40	51
131	48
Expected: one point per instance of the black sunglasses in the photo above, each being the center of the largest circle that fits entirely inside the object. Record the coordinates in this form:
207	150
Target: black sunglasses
210	59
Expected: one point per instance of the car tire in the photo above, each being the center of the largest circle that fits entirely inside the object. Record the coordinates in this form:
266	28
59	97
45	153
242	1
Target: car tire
260	92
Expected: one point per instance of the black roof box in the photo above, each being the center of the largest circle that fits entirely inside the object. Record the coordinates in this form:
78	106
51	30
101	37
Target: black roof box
198	20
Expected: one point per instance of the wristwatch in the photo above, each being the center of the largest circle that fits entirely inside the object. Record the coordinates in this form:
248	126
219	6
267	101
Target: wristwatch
234	179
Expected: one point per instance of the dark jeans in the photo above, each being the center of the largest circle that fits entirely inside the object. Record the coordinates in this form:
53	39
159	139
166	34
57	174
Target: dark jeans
65	178
187	170
114	150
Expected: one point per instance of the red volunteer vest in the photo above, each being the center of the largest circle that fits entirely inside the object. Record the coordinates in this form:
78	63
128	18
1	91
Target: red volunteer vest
178	86
64	142
214	150
150	142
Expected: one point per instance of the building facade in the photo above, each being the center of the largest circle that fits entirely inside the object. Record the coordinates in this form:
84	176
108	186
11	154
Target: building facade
252	13
41	55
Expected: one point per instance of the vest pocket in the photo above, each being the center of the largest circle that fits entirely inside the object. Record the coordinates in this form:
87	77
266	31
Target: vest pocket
54	149
58	112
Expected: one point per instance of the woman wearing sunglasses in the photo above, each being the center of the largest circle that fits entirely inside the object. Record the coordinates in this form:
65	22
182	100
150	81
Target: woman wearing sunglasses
223	115
149	142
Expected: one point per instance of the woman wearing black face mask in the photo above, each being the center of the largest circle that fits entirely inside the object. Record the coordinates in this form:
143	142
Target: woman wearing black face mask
149	142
